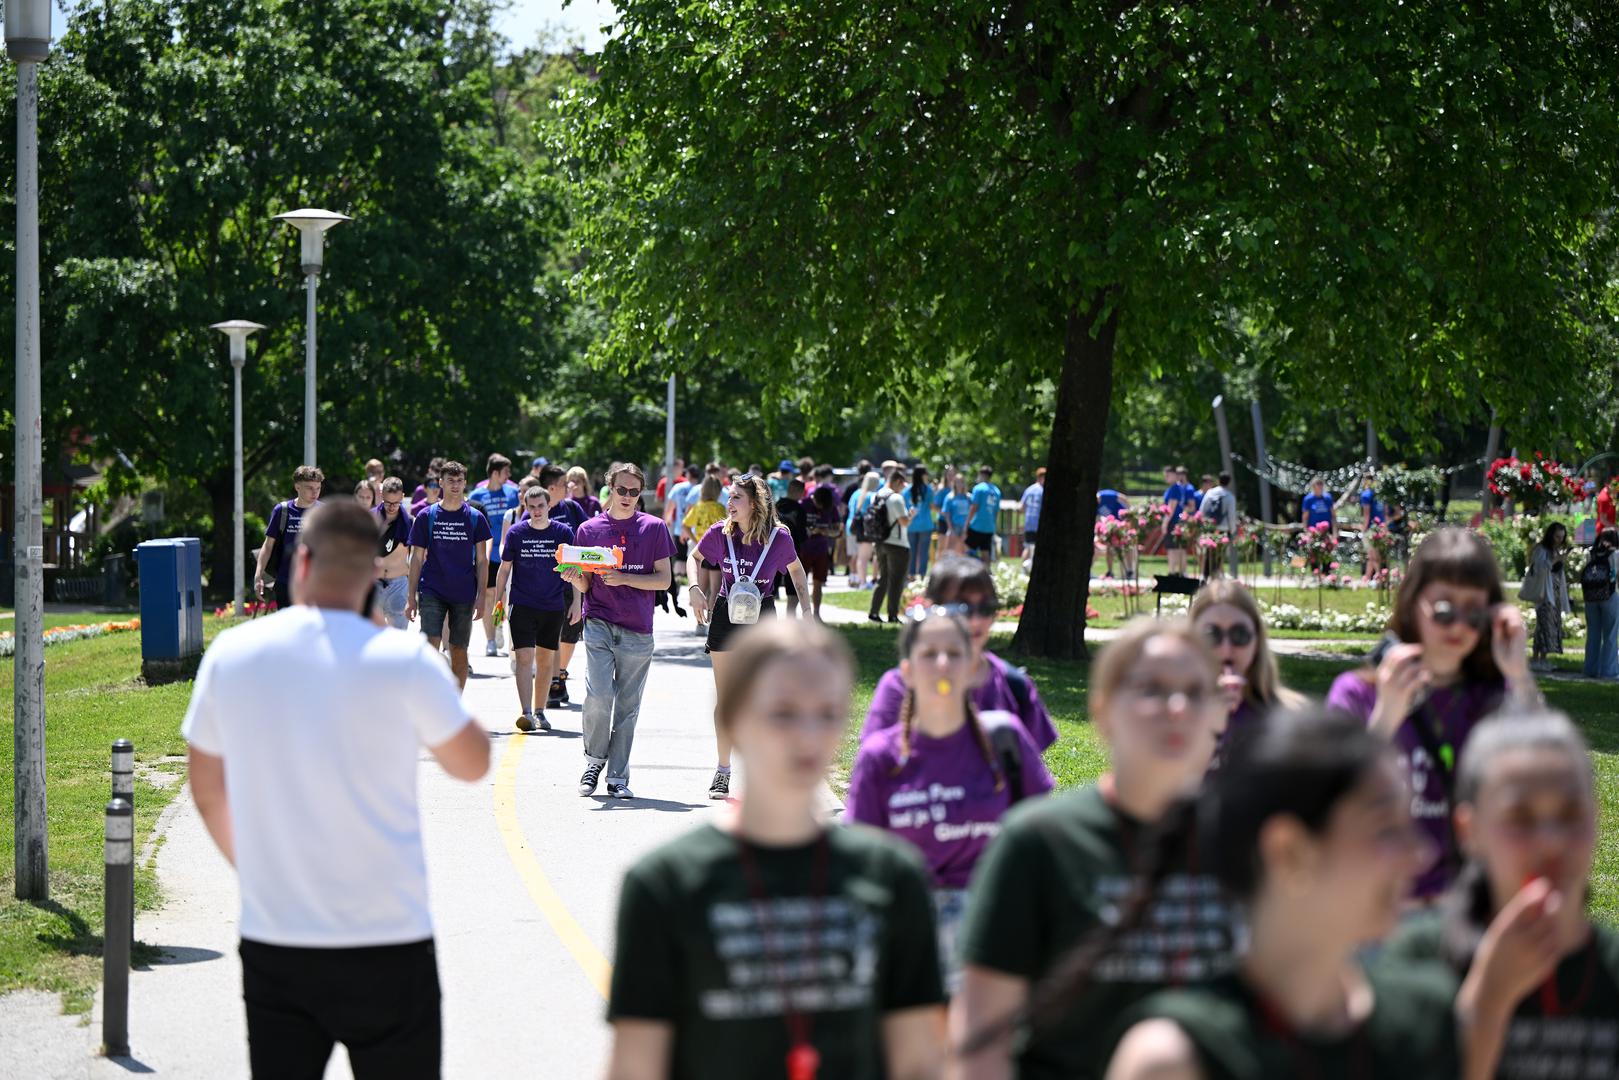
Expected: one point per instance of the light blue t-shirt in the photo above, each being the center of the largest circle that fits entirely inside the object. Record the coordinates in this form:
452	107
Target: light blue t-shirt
986	505
494	502
923	509
1033	496
678	499
957	509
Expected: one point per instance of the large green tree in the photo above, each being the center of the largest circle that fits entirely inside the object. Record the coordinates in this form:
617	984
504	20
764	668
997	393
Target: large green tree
862	195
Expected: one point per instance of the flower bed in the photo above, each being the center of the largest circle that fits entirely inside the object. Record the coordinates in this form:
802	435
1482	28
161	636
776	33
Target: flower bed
77	632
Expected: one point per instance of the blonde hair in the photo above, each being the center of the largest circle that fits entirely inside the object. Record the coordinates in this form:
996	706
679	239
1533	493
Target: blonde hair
710	491
579	478
1264	678
765	521
1124	652
762	644
871	482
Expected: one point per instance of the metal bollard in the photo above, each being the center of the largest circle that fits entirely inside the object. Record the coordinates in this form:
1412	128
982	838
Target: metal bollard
123	787
117	912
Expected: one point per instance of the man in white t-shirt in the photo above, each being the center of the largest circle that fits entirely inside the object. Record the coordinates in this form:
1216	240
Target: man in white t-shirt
1219	505
894	551
304	730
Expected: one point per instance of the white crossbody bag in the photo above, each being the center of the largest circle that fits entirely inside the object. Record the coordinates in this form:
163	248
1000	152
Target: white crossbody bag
742	598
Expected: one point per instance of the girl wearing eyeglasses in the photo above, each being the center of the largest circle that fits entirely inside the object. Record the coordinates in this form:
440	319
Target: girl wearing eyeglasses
766	944
1456	652
1070	864
964	581
945	774
1225	613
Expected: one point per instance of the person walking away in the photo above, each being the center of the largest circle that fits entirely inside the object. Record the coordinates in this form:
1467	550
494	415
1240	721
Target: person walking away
618	627
750	546
336	935
786	470
944	776
1031	499
1109	504
863	574
1066	867
1601	595
682	497
824	525
919	533
679	471
541	602
890	521
1546	586
554	478
965	586
1227	615
1460	654
281	535
986	508
1219	506
494	497
1607	518
393	553
793	512
1311	832
1176	495
449	563
767	944
854	485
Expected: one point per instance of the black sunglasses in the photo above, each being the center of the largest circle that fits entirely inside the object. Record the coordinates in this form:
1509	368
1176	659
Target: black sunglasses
1444	613
628	493
1239	635
986	609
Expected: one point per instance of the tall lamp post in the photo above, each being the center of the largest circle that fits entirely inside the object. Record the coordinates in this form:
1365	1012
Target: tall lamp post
238	330
28	41
311	225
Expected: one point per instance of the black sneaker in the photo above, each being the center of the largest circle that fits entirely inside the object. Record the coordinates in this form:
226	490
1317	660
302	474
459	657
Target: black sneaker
874	617
554	698
619	791
721	787
592	777
540	723
562	688
894	619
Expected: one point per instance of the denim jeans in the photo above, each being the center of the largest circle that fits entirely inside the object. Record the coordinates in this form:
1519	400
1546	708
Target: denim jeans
391	597
921	545
1602	638
616	663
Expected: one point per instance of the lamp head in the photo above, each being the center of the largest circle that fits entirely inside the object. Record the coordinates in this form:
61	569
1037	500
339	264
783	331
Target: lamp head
312	225
238	330
28	30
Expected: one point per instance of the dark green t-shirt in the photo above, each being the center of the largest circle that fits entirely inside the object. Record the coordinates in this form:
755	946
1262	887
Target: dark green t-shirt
1060	868
1410	1034
698	950
1580	1040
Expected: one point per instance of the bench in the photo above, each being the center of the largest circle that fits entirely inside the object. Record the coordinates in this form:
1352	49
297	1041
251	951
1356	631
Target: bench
1173	585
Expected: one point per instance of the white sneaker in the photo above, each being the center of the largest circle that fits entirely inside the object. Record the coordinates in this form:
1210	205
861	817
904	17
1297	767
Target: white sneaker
491	649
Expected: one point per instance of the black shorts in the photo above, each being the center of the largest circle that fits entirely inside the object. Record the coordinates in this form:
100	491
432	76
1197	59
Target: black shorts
572	633
536	627
494	572
980	541
722	632
1028	537
281	592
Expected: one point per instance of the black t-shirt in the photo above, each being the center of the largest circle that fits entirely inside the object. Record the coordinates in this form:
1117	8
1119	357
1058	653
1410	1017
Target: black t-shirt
697	949
1579	1038
1059	870
1411	1032
796	518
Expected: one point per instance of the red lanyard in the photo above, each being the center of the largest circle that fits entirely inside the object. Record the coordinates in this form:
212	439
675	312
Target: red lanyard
803	1060
1277	1025
1549	1003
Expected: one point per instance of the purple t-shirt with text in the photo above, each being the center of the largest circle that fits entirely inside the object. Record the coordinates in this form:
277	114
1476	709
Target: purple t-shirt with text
286	522
1451	713
942	797
994	694
780	556
533	554
451	539
645	540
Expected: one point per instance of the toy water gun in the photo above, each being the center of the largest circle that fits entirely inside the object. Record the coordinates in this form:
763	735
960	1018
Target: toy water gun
499	615
589	560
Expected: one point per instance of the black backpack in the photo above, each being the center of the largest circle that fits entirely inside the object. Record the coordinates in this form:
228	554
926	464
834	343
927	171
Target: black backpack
1596	579
874	519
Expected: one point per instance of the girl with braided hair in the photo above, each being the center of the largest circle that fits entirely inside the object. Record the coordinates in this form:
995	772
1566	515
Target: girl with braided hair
945	774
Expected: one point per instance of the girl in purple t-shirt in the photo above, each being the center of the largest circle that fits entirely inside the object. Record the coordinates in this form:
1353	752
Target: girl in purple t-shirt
751	544
943	776
1458	652
1225	613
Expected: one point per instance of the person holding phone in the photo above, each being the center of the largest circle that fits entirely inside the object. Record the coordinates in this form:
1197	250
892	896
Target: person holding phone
1462	653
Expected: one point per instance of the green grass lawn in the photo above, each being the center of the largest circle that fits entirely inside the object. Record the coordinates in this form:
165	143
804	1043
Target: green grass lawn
93	695
54	619
1078	756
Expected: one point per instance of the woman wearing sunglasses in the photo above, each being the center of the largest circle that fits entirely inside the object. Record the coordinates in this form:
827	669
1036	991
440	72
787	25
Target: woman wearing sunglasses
1456	652
945	774
1225	613
961	580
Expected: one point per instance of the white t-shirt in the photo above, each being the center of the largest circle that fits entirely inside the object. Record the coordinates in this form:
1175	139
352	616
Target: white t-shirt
896	520
1228	507
320	716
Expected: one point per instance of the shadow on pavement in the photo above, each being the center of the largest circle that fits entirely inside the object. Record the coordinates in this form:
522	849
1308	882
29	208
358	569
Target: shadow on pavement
174	955
668	806
129	1064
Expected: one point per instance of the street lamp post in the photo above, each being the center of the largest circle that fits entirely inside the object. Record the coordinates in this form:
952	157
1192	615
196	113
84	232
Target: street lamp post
238	330
311	225
28	41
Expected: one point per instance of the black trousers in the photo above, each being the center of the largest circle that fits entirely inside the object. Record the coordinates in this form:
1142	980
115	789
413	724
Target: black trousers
893	560
381	1002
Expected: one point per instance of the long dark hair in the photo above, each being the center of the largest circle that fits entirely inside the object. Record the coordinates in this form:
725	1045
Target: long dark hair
1551	530
1455	556
919	484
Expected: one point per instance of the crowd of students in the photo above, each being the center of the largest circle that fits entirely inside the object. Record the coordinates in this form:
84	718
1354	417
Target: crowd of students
1389	883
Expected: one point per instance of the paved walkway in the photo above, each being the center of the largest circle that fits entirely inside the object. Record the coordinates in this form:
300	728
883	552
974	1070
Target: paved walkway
524	877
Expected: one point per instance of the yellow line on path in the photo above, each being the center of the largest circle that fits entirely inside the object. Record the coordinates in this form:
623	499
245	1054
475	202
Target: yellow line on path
545	897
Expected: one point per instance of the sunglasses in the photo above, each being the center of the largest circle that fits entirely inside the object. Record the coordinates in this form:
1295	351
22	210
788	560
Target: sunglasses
1238	634
984	610
1444	613
628	493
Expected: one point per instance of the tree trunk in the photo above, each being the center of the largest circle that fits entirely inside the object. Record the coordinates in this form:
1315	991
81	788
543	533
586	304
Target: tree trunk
220	496
1053	621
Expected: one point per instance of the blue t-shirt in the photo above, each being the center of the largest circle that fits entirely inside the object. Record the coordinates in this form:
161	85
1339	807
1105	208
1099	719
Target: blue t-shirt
286	522
451	539
1176	496
533	555
677	493
922	508
1369	501
1316	508
1109	502
494	502
956	509
1033	496
986	505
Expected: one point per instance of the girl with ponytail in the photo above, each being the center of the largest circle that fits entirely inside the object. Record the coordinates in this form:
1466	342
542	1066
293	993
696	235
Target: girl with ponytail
1309	826
1538	982
946	773
1117	859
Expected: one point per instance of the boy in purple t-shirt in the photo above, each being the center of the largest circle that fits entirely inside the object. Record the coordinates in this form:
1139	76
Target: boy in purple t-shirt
618	626
449	563
281	534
